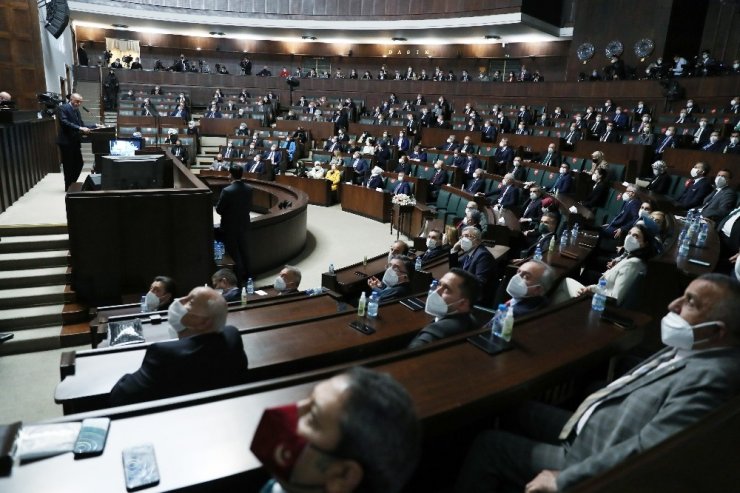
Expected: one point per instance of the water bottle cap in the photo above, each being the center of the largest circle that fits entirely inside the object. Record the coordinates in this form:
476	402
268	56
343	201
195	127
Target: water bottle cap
502	306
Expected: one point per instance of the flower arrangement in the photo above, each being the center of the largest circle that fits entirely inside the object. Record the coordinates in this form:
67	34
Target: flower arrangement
403	199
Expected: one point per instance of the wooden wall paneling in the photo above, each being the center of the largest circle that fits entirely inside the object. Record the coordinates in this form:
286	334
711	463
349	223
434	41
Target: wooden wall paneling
4	163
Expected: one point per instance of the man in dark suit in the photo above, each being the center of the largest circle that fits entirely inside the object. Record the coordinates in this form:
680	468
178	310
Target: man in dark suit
508	193
467	147
596	128
234	206
360	167
701	134
621	120
733	146
551	157
449	145
609	135
667	142
669	392
488	132
519	172
477	184
627	216
180	112
698	188
232	152
661	182
451	304
564	183
180	151
435	247
418	155
403	166
438	179
477	260
503	157
207	354
714	144
573	136
401	186
532	211
524	116
543	235
718	204
70	128
528	288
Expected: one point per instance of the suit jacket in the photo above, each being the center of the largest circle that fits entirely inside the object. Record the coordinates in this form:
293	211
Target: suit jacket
597	129
476	186
402	187
719	203
375	182
433	253
733	241
69	129
660	184
181	152
563	184
609	136
731	149
695	193
390	293
621	121
509	196
253	167
232	153
193	364
488	134
520	173
650	409
403	145
716	147
421	156
439	179
597	196
665	143
528	305
532	209
471	165
482	265
504	155
233	206
468	148
627	216
571	137
550	159
447	326
544	243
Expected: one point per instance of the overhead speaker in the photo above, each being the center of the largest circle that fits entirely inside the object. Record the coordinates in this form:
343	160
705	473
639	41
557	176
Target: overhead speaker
57	17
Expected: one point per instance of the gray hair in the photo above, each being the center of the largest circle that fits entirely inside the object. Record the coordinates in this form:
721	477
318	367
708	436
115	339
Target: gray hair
548	275
725	308
473	231
295	272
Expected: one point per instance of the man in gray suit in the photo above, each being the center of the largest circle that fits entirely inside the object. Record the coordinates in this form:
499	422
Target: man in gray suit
697	373
722	200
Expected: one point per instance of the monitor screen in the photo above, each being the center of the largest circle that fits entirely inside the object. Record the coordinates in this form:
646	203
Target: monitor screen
124	147
134	172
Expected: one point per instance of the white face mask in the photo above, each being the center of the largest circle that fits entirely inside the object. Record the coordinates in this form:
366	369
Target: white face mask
678	333
737	268
517	287
644	213
152	301
533	196
431	243
694	172
734	141
656	172
720	181
279	284
631	243
390	278
563	171
627	196
668	133
468	212
713	139
436	306
174	315
466	244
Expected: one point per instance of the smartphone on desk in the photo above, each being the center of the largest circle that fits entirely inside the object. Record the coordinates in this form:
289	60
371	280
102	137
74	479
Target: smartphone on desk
140	467
92	437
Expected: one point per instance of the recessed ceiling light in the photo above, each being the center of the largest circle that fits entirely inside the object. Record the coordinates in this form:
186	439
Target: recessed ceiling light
398	39
216	33
493	36
120	26
310	38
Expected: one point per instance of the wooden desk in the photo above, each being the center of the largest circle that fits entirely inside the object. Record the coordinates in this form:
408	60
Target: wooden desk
276	349
451	383
366	202
349	281
318	191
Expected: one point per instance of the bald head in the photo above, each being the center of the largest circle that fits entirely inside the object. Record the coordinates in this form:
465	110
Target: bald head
206	311
5	96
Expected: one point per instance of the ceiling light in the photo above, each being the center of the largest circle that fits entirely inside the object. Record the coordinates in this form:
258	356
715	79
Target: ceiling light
216	33
493	36
398	39
120	26
310	38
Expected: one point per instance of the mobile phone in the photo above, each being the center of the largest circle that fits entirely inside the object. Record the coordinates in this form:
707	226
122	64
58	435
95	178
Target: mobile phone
140	467
699	262
91	440
362	327
413	304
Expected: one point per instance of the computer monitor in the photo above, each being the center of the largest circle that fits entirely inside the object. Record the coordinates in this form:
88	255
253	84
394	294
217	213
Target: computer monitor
124	147
134	172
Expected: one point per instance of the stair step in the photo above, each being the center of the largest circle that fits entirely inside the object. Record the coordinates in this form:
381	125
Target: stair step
34	277
30	260
74	313
32	230
34	243
35	296
30	340
19	319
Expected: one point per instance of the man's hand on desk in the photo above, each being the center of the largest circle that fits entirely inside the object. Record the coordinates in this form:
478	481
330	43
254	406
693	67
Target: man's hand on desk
544	482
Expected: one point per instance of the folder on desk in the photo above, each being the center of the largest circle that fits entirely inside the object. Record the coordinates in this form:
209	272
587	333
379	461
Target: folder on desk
125	332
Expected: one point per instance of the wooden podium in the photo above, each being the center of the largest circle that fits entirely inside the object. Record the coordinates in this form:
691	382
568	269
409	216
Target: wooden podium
100	139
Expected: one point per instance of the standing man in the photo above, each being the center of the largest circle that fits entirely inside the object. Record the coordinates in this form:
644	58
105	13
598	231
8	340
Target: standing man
71	126
234	206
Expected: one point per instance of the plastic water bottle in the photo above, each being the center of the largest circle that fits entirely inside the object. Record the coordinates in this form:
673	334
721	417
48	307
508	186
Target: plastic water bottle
244	296
508	325
701	240
538	253
143	306
551	248
498	320
250	286
433	287
372	305
683	248
691	233
574	234
564	241
417	264
598	303
361	305
331	269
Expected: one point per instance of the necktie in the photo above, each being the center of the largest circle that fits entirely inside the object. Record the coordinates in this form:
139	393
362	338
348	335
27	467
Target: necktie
663	144
547	158
467	261
707	146
271	157
605	136
616	385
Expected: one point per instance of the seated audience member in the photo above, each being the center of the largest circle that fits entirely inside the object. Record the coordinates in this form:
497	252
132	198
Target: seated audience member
396	282
698	188
329	444
621	276
661	182
360	167
180	151
401	186
451	304
701	135
160	294
646	136
477	184
317	171
376	178
696	374
626	217
225	281
207	354
287	280
532	209
667	141
519	172
600	191
733	146
403	166
450	145
528	288
551	157
435	246
503	157
598	161
398	247
334	176
418	155
544	234
572	136
564	183
477	260
470	163
508	193
722	200
714	144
